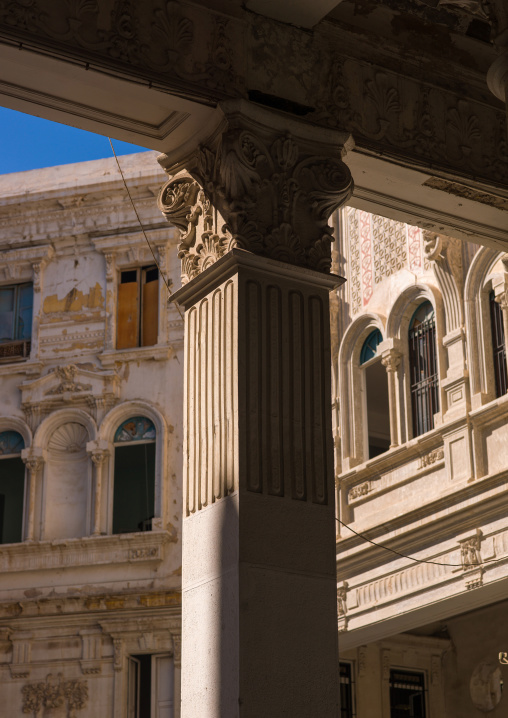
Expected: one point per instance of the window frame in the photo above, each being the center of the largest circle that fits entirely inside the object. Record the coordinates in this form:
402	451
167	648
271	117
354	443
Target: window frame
498	348
133	674
25	344
141	274
352	684
137	442
24	507
352	388
429	385
414	671
363	367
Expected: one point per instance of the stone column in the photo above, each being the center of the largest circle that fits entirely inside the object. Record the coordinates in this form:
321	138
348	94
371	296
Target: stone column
391	360
98	455
259	633
34	461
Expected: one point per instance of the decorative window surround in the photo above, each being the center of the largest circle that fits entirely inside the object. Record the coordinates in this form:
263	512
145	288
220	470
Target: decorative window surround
68	385
120	252
145	547
27	265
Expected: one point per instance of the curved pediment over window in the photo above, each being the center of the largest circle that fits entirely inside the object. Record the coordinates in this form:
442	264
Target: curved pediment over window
69	385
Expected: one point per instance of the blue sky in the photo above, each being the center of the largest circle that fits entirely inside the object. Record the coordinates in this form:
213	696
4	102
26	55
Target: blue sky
29	143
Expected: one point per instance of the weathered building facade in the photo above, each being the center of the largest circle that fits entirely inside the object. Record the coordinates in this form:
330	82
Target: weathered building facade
90	444
422	462
279	113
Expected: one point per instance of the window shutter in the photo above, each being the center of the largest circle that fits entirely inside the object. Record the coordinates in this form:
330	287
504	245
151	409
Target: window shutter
133	688
162	687
128	316
150	310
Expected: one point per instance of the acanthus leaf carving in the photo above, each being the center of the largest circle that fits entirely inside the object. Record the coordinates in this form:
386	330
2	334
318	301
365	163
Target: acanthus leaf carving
252	188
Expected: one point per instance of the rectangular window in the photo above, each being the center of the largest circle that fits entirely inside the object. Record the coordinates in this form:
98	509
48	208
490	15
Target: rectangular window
138	308
498	345
16	305
347	709
150	686
407	694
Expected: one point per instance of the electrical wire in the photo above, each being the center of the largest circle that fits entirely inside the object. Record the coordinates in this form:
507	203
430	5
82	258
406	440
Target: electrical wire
143	230
411	558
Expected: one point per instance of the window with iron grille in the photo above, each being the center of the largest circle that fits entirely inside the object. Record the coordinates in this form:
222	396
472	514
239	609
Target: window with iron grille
347	706
498	345
423	369
407	694
16	302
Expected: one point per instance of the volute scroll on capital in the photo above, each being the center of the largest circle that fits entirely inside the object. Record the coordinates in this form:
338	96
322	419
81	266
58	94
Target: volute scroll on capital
268	188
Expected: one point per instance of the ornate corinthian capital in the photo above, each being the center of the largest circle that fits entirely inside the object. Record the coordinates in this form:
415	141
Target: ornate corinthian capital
391	360
264	183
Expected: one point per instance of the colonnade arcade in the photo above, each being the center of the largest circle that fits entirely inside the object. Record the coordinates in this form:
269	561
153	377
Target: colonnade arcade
257	119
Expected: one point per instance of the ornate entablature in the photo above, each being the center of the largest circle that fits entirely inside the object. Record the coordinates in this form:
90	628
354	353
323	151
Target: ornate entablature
69	385
275	183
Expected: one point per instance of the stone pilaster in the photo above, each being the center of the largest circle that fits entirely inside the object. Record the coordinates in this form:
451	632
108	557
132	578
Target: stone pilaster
98	452
391	361
259	599
34	462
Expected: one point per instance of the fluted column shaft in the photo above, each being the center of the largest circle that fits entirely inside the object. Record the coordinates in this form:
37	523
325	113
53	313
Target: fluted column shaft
259	634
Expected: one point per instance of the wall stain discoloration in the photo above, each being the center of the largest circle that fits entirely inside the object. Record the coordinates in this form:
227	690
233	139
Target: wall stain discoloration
74	301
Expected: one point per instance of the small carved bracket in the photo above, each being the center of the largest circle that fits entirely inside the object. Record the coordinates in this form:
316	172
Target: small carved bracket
91	655
21	654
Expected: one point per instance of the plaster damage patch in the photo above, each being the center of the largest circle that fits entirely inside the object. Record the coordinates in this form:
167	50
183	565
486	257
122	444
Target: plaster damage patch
74	301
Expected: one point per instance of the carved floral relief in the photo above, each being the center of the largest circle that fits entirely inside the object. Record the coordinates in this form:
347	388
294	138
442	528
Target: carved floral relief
259	190
69	695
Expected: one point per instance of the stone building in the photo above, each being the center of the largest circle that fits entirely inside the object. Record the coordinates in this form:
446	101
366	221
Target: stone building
91	455
270	116
422	465
90	445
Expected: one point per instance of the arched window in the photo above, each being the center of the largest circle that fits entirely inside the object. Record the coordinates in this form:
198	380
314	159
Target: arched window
376	397
134	477
498	345
423	368
12	487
